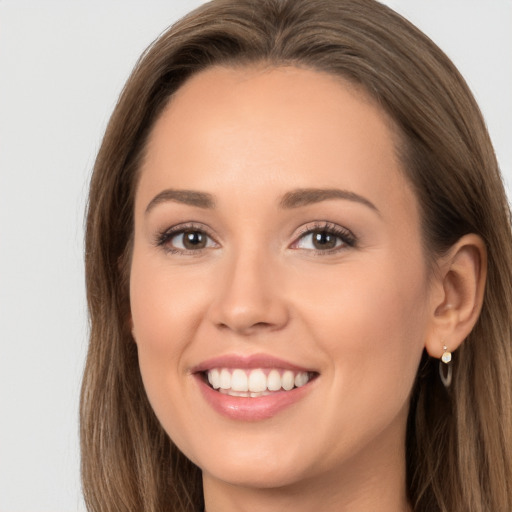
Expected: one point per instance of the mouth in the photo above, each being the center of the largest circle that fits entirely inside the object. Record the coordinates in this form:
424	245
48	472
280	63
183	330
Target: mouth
252	387
255	382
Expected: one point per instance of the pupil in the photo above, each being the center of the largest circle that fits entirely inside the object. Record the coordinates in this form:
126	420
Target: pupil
194	240
323	240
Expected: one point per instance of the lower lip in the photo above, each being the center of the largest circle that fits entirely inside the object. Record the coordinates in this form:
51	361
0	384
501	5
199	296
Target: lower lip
251	409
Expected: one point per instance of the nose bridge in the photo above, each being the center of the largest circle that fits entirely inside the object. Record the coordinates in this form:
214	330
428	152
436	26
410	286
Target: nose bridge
249	298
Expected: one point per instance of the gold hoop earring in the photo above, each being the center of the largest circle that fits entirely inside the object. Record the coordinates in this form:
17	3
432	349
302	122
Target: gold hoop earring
446	361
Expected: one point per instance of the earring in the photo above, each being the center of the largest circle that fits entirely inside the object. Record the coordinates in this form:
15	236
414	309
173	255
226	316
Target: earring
446	358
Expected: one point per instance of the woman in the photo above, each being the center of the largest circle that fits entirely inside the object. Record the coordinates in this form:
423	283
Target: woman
295	217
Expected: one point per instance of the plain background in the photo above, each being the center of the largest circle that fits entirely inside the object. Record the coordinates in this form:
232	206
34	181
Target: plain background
62	66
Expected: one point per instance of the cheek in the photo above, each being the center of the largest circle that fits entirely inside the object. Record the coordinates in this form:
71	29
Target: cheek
372	321
164	314
164	304
372	326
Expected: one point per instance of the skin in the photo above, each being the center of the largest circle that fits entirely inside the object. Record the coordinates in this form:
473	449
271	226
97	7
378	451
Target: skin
360	316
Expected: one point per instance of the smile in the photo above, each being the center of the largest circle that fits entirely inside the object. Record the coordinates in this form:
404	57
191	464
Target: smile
254	387
255	382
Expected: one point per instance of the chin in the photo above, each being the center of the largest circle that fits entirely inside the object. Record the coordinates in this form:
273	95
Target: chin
256	461
255	475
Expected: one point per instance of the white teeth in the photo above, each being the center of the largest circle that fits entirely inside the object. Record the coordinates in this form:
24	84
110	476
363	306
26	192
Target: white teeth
301	379
225	379
239	381
288	380
214	378
255	383
274	381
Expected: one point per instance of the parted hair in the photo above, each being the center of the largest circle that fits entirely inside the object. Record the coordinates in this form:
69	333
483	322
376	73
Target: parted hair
459	441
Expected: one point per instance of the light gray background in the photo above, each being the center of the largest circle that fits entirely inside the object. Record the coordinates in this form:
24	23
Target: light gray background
62	65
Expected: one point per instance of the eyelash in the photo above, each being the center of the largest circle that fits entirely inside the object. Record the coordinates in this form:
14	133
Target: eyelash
346	237
164	238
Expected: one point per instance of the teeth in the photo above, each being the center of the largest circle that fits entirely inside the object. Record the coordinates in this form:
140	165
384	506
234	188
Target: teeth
214	378
255	383
225	379
274	381
288	380
301	379
239	381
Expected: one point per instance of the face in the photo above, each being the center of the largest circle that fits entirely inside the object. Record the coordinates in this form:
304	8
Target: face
278	286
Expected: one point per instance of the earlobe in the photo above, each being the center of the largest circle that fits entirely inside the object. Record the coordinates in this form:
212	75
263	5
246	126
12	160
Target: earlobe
461	276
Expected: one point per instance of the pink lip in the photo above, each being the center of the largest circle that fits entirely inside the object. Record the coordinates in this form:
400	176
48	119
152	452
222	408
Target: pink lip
251	409
243	408
247	362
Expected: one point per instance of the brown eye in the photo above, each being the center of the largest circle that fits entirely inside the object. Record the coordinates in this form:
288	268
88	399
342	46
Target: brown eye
186	240
192	240
323	240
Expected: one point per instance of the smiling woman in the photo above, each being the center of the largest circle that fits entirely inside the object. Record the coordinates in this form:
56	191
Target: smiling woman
295	215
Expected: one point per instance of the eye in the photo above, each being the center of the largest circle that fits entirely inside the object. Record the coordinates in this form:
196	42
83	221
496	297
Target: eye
320	240
185	240
325	238
190	240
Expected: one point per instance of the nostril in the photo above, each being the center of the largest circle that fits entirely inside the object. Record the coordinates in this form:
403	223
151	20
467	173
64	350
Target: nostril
248	328
262	325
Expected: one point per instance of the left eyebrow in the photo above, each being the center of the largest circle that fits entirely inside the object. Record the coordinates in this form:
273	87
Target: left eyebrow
189	197
307	196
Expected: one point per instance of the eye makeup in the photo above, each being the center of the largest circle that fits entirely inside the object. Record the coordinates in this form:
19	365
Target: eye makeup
324	238
186	239
320	237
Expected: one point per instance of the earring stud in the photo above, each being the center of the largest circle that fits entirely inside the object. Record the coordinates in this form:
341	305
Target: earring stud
447	356
446	359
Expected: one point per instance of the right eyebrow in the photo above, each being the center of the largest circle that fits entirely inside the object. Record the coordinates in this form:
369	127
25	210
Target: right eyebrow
306	196
189	197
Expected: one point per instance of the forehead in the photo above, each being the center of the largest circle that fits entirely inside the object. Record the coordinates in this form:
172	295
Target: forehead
242	130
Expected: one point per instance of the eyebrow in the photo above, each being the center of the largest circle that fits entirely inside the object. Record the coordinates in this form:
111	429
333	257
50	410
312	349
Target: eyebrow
290	200
189	197
307	196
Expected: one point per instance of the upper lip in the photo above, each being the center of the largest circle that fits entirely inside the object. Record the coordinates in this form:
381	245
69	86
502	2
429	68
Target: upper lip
247	362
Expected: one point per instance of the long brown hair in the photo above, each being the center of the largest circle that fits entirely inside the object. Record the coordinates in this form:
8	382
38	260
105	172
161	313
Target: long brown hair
459	442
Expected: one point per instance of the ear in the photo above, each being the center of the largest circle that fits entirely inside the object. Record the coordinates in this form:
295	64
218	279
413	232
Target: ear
457	294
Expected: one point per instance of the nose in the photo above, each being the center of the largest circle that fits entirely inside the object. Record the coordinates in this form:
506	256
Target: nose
250	297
